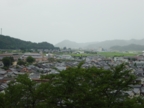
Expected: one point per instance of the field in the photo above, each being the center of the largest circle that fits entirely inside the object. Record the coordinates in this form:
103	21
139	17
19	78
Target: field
108	54
111	54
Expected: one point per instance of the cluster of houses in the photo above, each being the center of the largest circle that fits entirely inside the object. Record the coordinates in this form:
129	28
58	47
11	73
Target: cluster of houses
37	56
43	67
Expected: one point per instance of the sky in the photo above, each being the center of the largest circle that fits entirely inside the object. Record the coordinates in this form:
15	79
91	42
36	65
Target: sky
77	20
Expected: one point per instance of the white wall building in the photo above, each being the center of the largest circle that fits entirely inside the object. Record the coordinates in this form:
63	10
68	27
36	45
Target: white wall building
120	59
37	56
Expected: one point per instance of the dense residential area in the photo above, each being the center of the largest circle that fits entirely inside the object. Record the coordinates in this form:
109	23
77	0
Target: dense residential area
39	67
72	54
53	64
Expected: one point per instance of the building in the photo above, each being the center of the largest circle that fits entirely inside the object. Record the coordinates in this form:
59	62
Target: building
15	56
122	59
1	64
38	57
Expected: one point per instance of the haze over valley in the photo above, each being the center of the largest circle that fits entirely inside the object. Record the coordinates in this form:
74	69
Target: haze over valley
71	53
108	44
7	42
80	21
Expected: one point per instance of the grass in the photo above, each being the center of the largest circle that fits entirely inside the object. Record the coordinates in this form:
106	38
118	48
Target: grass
107	54
111	54
84	54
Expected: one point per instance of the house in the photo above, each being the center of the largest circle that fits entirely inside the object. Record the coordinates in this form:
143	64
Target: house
60	68
139	64
139	72
50	55
37	56
1	64
34	76
130	93
142	90
67	57
78	52
136	89
140	80
15	56
120	59
3	86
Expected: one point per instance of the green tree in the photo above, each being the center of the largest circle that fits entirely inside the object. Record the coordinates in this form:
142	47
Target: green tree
64	48
51	59
23	93
7	61
21	62
88	88
30	59
7	42
74	87
11	60
2	100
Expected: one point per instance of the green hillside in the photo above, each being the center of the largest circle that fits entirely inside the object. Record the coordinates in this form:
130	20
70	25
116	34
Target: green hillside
7	42
131	47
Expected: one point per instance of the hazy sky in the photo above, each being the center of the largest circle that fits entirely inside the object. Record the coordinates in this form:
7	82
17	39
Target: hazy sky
75	20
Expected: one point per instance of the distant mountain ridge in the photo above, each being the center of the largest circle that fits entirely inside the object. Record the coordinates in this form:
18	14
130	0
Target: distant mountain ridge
104	44
110	43
131	47
7	42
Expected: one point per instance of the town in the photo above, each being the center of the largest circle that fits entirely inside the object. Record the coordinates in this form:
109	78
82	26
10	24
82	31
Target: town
52	62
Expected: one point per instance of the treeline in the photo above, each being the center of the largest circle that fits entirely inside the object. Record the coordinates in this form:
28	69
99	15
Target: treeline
131	47
7	42
74	88
8	61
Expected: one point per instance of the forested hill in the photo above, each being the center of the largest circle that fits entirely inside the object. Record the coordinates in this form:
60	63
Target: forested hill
131	47
7	42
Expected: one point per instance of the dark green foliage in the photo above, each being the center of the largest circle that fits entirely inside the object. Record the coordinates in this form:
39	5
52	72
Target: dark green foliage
11	60
2	100
135	64
51	60
7	61
7	42
24	93
21	62
64	48
86	88
30	59
73	88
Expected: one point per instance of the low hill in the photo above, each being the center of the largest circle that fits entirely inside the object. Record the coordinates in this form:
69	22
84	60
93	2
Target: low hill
72	44
131	47
104	44
110	43
7	42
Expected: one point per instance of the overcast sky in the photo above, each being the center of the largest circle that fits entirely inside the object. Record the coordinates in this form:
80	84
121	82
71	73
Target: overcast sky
75	20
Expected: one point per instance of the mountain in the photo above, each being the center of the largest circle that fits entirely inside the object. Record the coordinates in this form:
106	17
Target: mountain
131	47
7	42
95	45
71	44
110	43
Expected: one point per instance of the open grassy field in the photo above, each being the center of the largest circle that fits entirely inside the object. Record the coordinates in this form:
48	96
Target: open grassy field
84	54
107	54
111	54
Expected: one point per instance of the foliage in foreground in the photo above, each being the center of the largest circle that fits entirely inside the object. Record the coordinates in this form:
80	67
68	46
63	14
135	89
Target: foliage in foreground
73	88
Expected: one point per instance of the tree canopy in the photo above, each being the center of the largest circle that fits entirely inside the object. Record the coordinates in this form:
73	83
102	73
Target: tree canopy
21	62
7	61
7	42
30	59
74	87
